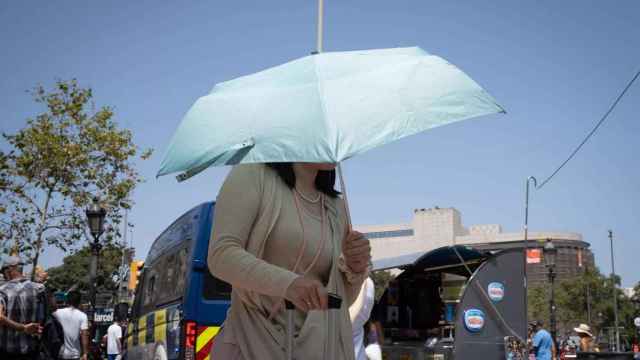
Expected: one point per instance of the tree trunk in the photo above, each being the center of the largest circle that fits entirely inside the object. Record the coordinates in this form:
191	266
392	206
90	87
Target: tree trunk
43	220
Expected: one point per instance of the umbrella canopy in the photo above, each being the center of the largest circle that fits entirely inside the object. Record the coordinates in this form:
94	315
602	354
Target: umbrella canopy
323	108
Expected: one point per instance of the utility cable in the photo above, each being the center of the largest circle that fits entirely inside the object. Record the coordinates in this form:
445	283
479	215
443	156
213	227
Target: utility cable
584	141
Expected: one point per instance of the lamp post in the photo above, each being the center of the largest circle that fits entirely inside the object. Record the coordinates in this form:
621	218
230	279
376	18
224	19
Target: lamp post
550	253
615	295
95	217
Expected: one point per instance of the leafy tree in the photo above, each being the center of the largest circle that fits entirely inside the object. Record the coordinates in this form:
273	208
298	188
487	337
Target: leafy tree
73	271
64	157
591	293
381	279
538	303
636	293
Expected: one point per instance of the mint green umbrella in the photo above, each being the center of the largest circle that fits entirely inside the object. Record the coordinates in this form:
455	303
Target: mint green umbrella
326	107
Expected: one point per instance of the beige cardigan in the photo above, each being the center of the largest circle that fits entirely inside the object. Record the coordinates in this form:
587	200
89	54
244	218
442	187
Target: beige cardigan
247	208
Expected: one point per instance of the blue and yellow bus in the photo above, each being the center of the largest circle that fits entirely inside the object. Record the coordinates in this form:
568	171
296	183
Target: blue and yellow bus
178	306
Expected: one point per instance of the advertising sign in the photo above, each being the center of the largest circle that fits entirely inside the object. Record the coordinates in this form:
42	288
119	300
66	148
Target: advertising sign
495	291
103	316
474	320
534	256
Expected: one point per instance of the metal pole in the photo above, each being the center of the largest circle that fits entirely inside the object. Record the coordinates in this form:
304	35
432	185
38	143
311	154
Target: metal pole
344	196
588	303
320	21
123	263
339	168
615	294
93	271
526	248
552	306
289	310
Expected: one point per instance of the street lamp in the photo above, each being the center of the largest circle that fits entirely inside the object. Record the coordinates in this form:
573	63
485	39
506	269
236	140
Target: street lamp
615	295
550	253
95	217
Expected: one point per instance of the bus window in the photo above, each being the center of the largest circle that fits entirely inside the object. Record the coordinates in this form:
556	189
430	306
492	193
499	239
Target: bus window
172	272
214	288
168	280
149	291
138	302
181	274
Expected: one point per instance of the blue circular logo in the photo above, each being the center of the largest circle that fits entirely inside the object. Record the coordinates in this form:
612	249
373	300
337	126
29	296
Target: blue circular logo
495	291
474	320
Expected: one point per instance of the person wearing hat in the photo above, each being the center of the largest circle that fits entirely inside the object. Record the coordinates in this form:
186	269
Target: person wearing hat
586	338
542	342
22	312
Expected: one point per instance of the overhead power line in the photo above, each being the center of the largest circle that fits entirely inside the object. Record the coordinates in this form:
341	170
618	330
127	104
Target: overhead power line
584	141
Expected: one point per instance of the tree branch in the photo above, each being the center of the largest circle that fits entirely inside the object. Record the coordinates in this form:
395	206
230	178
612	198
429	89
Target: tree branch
24	196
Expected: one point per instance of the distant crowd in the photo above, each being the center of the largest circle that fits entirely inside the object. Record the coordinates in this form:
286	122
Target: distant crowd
33	328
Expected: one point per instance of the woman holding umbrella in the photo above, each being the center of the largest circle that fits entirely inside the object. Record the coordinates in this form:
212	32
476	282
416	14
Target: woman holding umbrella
281	232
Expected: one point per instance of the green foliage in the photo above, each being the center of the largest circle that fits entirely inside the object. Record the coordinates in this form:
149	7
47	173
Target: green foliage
588	294
74	270
56	164
538	303
381	279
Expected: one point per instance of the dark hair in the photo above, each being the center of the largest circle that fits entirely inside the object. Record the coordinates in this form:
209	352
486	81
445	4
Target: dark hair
74	298
325	180
52	305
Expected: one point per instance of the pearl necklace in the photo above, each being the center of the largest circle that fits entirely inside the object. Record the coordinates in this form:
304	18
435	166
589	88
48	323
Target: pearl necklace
313	201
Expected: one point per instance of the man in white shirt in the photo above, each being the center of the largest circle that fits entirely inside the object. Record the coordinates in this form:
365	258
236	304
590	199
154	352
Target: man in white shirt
114	340
76	329
359	312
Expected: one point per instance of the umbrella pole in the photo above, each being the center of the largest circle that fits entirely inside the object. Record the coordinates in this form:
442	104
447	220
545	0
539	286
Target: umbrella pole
344	195
320	20
339	168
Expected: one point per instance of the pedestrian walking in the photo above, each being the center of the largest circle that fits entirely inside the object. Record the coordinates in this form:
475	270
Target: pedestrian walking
543	346
75	325
374	340
359	313
52	337
280	232
22	313
114	340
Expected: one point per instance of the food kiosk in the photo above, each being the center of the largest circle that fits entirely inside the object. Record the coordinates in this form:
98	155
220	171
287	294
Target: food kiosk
454	302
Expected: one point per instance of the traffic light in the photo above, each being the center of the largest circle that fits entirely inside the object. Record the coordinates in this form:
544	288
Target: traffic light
134	273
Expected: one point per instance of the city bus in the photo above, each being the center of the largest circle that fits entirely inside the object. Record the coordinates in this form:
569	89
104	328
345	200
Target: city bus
178	306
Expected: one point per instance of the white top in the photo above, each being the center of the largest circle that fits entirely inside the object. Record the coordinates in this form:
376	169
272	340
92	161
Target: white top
114	334
72	321
360	312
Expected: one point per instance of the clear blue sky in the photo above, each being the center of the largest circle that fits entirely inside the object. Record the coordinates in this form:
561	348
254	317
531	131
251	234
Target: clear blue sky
554	65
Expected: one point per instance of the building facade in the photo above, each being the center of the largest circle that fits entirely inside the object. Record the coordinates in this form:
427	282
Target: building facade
430	229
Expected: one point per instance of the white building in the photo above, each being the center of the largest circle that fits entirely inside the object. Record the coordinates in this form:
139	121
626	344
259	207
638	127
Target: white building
628	292
430	229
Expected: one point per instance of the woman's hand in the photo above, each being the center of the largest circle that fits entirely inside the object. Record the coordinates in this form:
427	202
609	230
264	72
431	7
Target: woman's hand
357	251
307	294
